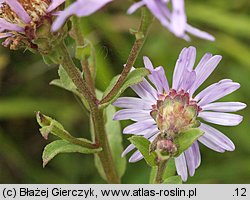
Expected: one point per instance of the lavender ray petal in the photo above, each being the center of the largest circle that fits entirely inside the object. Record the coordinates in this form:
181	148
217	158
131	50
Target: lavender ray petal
224	106
128	149
137	127
178	18
215	136
203	71
210	144
9	26
200	65
201	34
197	154
135	157
149	131
133	102
188	80
191	57
218	92
148	64
19	10
133	114
179	68
63	15
144	94
207	90
54	4
79	8
88	7
135	7
190	159
181	167
159	11
153	77
149	88
185	61
225	119
162	82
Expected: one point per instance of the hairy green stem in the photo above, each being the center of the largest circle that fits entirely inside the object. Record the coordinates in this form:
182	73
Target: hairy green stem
160	171
101	139
141	35
97	115
75	75
77	34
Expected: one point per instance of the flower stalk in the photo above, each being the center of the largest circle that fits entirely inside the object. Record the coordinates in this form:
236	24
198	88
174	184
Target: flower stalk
140	35
160	171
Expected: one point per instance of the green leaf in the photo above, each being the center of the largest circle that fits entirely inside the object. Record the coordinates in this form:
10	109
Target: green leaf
111	85
142	144
66	83
136	76
62	146
173	180
186	139
113	130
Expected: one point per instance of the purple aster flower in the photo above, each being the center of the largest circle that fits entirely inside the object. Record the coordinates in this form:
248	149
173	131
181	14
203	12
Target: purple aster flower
80	8
19	19
175	21
160	108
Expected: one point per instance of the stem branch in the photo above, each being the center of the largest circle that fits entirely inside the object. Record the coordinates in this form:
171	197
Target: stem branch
97	115
142	34
75	75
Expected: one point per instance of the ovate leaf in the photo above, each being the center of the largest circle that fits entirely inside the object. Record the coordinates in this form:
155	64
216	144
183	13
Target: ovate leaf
173	180
62	146
142	144
186	139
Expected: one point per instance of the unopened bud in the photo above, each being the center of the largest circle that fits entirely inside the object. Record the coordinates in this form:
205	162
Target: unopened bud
166	146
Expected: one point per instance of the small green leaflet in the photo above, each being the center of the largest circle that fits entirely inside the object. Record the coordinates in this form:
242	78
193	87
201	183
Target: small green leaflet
142	144
186	139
